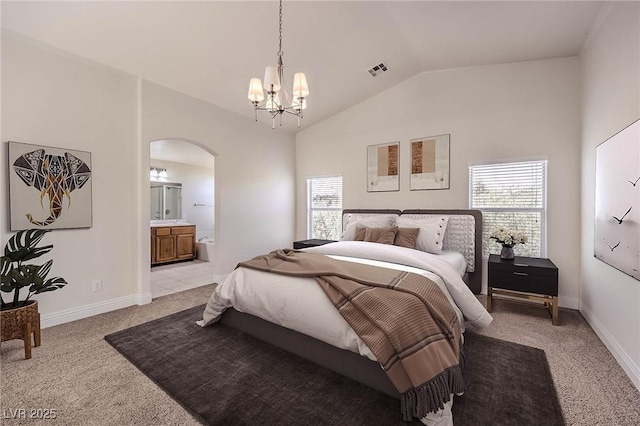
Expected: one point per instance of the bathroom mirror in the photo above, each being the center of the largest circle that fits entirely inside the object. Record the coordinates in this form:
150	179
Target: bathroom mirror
166	200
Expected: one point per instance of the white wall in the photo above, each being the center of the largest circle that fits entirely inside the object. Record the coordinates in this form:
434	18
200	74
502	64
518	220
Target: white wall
57	99
254	186
492	112
610	300
197	188
50	97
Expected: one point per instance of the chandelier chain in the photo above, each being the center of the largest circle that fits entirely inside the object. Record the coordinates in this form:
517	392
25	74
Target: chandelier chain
280	53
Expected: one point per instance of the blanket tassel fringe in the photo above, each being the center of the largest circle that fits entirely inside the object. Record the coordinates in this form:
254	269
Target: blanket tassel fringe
432	396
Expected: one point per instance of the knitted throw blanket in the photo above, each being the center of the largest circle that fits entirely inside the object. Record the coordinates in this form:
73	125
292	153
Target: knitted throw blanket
404	318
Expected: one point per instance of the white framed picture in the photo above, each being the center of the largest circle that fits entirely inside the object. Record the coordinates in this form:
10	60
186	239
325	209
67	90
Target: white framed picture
382	167
430	163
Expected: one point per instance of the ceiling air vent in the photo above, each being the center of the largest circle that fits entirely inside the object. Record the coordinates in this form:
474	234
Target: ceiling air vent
377	69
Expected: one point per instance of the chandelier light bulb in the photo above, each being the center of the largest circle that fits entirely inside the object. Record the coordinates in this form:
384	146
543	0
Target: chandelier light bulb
256	95
300	86
271	79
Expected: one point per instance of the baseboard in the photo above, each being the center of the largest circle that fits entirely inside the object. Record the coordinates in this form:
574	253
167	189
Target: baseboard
569	302
145	298
616	350
61	317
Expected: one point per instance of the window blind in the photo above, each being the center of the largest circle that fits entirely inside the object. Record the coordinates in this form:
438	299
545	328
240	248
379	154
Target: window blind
511	195
324	207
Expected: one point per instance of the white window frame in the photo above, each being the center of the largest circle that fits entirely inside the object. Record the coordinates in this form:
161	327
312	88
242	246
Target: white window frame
542	210
310	209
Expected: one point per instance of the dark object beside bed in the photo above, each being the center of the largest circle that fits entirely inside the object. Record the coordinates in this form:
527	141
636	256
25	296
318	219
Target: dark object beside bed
344	362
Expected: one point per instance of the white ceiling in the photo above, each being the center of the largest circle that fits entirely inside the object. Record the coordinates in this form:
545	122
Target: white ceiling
210	49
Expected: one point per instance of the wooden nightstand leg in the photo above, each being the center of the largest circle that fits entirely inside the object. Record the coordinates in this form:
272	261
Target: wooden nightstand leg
554	314
489	299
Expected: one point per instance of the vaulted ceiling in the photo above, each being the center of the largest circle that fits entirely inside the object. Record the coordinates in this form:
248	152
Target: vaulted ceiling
210	49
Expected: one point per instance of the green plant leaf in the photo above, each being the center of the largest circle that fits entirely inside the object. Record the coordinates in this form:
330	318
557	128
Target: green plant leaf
22	246
26	275
50	285
7	268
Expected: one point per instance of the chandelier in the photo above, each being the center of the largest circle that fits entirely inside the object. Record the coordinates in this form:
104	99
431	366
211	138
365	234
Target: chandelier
278	100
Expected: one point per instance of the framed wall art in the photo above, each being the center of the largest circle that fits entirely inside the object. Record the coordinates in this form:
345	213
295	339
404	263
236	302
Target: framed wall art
430	163
49	188
617	203
382	167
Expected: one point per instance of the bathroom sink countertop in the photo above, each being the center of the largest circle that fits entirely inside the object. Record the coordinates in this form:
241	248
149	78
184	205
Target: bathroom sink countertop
159	223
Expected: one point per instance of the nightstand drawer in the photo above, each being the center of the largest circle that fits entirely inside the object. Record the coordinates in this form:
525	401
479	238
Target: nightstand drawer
524	281
529	265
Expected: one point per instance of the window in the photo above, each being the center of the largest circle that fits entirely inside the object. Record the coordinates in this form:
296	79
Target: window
324	207
512	195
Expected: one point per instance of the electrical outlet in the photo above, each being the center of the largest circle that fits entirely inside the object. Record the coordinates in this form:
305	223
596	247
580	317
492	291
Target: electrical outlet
97	285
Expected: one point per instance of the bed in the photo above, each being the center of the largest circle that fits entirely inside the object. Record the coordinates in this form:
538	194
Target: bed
295	314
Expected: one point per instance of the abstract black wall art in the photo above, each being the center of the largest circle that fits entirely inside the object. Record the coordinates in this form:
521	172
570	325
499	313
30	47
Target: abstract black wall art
49	187
617	215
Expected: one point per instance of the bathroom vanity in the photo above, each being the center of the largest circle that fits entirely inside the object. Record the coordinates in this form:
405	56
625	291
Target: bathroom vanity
172	242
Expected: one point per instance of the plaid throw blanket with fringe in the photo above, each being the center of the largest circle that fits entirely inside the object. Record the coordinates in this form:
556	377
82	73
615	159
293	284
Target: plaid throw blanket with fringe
404	318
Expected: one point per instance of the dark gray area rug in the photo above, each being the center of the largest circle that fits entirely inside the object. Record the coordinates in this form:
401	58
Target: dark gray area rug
225	377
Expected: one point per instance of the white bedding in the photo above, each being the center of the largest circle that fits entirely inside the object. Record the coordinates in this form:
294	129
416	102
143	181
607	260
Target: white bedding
301	305
455	259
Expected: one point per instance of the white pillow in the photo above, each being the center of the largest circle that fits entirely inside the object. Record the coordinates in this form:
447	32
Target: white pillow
379	221
431	234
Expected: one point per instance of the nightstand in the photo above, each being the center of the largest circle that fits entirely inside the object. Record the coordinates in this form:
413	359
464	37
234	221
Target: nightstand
527	278
297	245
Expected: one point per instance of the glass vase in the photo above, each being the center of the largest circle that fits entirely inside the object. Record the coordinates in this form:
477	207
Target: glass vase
507	253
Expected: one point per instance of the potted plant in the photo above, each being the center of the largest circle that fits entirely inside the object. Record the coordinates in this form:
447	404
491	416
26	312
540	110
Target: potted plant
19	317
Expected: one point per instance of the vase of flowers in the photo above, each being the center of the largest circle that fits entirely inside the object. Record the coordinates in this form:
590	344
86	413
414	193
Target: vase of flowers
508	238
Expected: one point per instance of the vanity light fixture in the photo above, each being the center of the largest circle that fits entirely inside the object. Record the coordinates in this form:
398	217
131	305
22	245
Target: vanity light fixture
156	173
278	100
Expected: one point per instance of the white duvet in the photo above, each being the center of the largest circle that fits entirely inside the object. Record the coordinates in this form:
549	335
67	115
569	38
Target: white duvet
301	305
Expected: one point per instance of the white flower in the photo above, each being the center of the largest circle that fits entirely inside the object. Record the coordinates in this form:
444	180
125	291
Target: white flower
508	237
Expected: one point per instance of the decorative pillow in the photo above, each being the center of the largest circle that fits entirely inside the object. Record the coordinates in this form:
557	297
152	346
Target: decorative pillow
380	235
406	237
431	234
360	232
378	221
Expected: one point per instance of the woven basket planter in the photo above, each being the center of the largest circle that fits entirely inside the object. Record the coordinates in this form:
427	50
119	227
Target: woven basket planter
20	323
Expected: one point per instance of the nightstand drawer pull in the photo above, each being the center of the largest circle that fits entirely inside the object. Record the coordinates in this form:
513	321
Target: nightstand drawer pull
520	273
522	265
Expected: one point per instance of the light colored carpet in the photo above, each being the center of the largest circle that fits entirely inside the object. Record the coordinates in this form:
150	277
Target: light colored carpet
87	382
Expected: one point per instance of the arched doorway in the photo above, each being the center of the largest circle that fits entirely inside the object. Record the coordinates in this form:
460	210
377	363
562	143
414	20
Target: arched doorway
182	191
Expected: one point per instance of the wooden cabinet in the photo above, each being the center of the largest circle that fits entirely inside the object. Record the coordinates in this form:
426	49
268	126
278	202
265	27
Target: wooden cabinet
172	243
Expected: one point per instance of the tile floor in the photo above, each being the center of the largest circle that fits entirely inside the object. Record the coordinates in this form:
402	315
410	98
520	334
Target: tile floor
175	277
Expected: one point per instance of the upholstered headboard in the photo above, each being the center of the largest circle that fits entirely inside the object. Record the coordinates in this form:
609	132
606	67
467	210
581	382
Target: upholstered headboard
463	234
